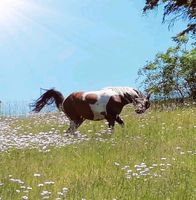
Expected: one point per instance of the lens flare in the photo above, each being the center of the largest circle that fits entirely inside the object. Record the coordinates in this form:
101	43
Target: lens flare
8	10
15	15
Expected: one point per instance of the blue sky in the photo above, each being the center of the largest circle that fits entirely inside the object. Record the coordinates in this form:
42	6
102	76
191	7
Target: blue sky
76	44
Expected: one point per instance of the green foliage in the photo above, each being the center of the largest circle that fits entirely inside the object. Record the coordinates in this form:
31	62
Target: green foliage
172	74
178	9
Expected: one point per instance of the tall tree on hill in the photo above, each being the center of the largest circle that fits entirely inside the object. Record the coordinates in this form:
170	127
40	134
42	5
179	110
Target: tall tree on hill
171	74
177	9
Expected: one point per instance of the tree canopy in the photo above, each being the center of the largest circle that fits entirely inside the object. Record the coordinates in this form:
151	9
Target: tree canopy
177	9
171	74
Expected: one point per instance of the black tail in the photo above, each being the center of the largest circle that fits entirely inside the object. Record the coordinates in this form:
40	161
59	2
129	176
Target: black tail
49	97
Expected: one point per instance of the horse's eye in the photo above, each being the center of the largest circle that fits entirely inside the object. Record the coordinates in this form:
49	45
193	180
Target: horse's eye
147	104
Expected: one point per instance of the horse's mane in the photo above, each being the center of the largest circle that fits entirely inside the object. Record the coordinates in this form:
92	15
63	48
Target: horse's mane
124	90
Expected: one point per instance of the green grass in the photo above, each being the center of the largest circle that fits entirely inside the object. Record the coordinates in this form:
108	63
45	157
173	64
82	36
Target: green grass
93	169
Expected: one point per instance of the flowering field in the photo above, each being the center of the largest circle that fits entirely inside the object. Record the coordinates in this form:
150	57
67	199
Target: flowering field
152	158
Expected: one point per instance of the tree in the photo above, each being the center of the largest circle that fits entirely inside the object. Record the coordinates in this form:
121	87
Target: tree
178	9
171	74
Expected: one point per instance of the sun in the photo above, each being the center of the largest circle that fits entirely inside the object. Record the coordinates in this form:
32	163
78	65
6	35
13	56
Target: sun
13	10
8	10
15	15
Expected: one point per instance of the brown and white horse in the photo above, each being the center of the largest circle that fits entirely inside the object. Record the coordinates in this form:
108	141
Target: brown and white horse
106	103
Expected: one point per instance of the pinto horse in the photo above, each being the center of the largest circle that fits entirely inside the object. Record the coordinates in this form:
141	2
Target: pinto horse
106	103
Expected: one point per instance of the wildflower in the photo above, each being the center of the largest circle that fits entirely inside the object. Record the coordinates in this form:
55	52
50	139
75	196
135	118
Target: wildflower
143	173
146	169
45	192
143	165
25	197
125	167
49	182
129	176
65	189
37	175
40	185
116	163
129	171
135	174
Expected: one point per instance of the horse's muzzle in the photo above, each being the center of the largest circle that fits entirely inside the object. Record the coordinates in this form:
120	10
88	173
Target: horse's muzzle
139	111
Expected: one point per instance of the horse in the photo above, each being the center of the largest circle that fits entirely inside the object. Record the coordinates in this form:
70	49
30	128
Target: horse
106	103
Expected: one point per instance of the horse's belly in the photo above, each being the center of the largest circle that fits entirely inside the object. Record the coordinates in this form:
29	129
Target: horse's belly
98	116
98	110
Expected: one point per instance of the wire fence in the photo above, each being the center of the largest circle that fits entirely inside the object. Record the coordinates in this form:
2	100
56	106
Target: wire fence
20	108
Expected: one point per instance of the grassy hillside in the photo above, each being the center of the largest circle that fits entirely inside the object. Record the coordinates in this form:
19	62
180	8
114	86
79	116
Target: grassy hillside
152	157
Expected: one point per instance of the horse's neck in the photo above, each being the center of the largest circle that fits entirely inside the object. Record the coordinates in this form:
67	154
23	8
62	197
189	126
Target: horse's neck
123	91
125	101
132	94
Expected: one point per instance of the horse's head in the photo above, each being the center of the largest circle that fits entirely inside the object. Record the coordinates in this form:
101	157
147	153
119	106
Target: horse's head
140	101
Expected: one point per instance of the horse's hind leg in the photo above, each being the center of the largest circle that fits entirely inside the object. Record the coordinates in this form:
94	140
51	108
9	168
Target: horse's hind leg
74	124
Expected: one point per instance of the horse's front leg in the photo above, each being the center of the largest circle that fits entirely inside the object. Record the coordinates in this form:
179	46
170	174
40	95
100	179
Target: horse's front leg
111	123
120	121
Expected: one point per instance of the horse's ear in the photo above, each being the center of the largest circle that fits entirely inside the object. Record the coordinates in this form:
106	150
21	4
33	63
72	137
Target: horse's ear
127	95
148	95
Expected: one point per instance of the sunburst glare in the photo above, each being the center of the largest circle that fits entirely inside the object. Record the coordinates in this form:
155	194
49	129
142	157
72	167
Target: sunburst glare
9	9
15	13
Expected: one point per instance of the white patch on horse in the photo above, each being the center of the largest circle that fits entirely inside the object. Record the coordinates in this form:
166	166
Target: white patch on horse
122	90
103	96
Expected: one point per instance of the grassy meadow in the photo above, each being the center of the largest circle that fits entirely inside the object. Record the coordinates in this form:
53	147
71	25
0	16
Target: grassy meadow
151	158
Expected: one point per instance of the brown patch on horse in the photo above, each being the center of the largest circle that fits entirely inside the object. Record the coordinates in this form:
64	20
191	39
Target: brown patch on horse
115	105
76	108
91	98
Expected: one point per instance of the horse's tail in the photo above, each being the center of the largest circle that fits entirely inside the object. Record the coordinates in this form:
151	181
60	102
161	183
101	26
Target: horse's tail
48	98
